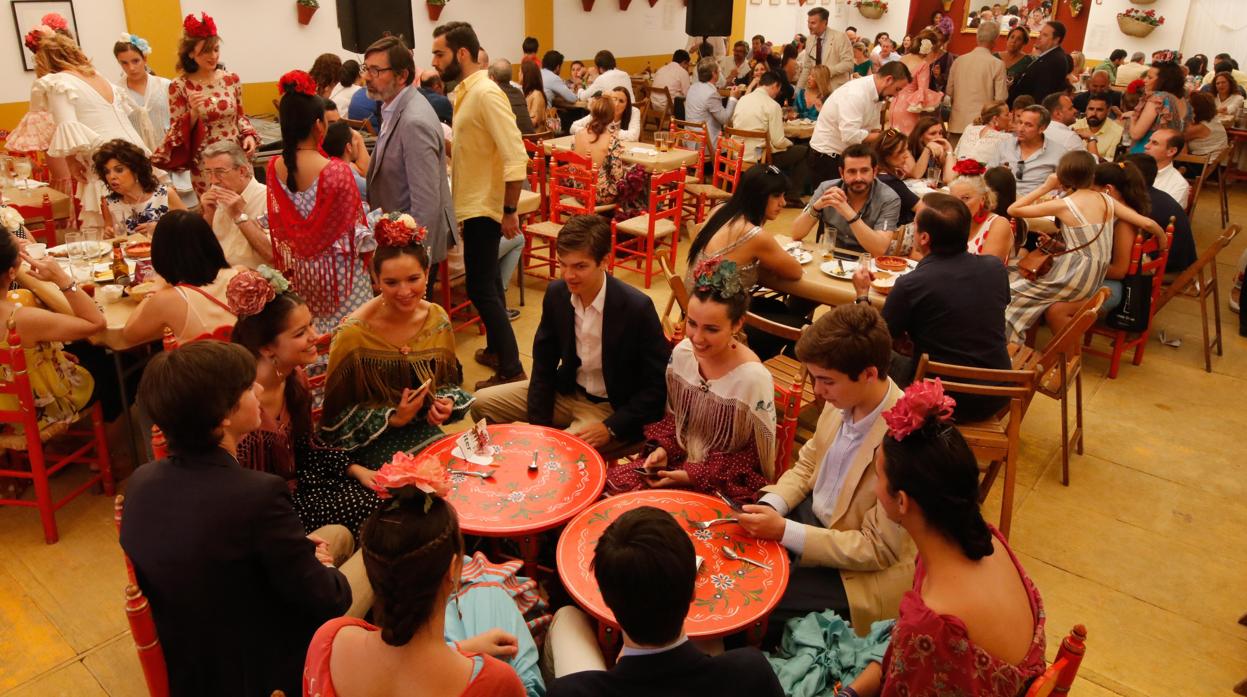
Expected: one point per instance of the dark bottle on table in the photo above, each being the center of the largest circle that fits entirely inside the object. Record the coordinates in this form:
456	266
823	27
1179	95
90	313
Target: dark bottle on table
121	272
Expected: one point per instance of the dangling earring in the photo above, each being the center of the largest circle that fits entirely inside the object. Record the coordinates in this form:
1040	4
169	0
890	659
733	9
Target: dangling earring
276	369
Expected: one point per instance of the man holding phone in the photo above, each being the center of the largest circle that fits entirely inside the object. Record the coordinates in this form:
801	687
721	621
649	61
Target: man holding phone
851	557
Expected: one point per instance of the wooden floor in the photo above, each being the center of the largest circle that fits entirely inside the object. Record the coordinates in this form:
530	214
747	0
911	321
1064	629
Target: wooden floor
1147	547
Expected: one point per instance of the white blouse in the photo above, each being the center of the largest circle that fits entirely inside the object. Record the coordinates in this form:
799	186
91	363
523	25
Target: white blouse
149	112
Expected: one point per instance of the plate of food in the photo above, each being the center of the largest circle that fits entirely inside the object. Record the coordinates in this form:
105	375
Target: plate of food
838	268
138	250
138	291
91	249
884	280
894	264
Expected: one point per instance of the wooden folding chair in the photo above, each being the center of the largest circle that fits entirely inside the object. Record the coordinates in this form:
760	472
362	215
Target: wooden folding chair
1207	163
1060	675
1059	366
762	154
658	117
673	329
1200	279
793	391
361	125
1145	257
995	440
729	157
647	233
682	125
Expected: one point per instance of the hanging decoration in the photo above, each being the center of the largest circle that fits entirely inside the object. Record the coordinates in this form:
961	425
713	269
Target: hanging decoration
1138	23
587	4
435	8
1075	7
306	8
871	9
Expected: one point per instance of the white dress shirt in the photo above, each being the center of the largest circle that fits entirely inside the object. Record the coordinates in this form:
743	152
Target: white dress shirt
847	117
589	343
756	111
238	251
673	77
729	72
1065	136
608	81
1171	181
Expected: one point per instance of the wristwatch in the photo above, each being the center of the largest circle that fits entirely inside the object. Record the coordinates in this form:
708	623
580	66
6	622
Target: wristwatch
610	431
508	210
861	300
73	285
242	218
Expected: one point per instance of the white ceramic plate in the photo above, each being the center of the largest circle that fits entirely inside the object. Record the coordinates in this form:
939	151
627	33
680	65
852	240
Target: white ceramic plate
802	256
831	269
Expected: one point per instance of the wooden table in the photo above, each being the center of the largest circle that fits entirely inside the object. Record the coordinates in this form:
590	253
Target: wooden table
651	160
730	596
62	206
814	284
799	129
515	501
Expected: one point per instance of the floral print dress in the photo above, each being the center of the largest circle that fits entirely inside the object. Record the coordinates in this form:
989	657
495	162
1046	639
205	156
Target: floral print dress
224	120
129	216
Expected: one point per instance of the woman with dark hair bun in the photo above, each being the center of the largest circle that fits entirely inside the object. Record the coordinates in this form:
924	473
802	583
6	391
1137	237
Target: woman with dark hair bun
974	622
138	201
424	608
275	325
393	376
718	433
315	212
348	85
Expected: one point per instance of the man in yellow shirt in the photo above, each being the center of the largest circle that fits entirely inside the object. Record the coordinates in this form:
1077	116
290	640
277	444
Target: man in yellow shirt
488	165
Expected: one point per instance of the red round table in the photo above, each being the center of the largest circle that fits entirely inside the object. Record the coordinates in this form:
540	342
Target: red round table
730	595
516	502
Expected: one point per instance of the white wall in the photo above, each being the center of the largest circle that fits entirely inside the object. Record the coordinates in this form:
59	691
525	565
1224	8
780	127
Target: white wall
1215	26
100	22
1103	34
779	22
640	31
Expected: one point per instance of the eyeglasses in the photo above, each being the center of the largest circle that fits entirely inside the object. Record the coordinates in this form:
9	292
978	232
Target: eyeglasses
374	71
216	172
1021	169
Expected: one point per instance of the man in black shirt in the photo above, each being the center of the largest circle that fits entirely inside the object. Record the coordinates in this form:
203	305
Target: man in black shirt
952	306
1182	254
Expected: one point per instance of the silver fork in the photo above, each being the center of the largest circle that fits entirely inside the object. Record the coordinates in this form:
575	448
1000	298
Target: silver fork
731	554
705	524
482	475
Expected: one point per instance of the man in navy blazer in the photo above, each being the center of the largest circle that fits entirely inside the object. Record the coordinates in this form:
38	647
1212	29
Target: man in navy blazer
1047	74
599	356
647	571
408	169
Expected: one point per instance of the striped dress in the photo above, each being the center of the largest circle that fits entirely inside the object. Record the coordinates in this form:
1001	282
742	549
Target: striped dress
1074	276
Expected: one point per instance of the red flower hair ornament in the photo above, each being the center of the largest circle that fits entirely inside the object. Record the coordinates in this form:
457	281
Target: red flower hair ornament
250	291
406	476
969	168
297	81
202	28
398	230
55	21
923	403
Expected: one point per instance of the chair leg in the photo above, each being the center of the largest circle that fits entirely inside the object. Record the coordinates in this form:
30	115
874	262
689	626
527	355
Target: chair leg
43	494
1203	317
1065	437
1078	410
1006	495
649	258
1118	348
102	457
1140	347
1216	309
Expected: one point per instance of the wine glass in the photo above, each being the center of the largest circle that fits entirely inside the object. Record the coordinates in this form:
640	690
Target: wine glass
23	169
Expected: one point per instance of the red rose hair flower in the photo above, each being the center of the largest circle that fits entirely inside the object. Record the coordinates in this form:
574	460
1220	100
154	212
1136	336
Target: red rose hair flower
297	81
969	168
398	230
922	403
423	473
248	293
202	28
34	36
55	22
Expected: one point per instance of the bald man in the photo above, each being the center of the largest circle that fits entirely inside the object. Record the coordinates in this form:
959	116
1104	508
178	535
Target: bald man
500	72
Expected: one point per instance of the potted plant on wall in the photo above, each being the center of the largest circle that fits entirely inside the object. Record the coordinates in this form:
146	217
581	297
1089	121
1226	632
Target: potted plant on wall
623	4
435	8
306	8
1138	23
587	5
1075	7
871	9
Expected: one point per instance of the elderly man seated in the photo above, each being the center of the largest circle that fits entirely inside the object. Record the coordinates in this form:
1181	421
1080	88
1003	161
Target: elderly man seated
236	205
704	103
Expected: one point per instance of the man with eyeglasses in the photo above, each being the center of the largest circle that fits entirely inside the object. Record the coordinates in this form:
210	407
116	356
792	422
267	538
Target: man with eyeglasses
1028	154
407	173
236	205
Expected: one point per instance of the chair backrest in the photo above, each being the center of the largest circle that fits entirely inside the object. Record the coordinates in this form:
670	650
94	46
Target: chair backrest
729	160
1016	385
361	125
1206	260
1059	676
15	380
789	389
1207	163
676	282
682	125
745	136
535	150
46	232
573	185
1068	342
1146	257
665	93
666	197
640	89
643	109
687	139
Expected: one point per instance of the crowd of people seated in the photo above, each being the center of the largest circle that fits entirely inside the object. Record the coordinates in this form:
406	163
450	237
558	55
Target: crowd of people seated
311	514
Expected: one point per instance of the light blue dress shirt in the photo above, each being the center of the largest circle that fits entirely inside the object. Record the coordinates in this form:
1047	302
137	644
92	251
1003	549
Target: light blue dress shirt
552	84
703	103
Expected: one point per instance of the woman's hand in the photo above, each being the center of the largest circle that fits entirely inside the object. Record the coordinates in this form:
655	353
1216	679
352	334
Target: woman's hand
249	145
365	476
199	103
493	642
670	479
656	460
408	405
440	410
861	279
145	229
46	269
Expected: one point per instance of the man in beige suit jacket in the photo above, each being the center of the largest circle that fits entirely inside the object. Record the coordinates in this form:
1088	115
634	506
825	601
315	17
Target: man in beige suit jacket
851	558
976	79
826	46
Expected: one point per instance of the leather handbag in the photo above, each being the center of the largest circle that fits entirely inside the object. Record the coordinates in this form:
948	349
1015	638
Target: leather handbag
1038	261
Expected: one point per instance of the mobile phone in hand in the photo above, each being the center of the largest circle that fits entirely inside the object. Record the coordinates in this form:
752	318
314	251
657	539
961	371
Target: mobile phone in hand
731	502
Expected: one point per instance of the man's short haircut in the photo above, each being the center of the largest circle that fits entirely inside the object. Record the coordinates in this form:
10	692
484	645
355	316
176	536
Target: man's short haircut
860	150
680	56
459	35
189	391
500	71
1175	140
770	78
822	13
604	60
1058	30
1045	116
646	568
740	44
529	45
1147	166
848	339
589	234
397	53
895	70
226	147
947	220
1117	54
1053	101
1102	71
1023	101
1098	98
705	50
430	80
337	136
329	105
850	28
706	68
759	37
552	61
987	32
1137	57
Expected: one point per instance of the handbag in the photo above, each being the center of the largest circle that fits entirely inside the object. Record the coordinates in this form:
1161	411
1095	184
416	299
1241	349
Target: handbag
1135	309
1038	261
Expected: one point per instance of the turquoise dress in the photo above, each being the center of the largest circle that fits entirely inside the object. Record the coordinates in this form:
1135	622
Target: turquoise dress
1166	117
804	111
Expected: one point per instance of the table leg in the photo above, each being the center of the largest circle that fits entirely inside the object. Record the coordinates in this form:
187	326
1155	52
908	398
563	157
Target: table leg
134	445
756	632
530	547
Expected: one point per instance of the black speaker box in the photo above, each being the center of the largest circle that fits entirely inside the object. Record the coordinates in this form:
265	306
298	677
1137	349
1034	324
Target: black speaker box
707	18
362	22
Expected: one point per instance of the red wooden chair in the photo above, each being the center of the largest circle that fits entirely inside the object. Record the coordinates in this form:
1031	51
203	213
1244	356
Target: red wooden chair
462	315
688	139
792	390
572	191
729	158
1059	676
45	232
650	231
1121	341
139	612
29	445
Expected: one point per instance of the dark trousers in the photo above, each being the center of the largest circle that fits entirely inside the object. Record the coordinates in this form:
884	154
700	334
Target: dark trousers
480	261
824	167
794	163
810	588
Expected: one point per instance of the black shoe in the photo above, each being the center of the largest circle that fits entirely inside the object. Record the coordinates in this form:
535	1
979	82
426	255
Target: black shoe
512	314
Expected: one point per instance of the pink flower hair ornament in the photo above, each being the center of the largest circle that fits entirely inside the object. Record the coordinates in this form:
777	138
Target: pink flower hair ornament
406	476
923	403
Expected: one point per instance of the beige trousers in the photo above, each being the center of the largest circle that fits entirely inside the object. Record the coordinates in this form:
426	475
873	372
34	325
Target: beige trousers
505	404
571	644
341	546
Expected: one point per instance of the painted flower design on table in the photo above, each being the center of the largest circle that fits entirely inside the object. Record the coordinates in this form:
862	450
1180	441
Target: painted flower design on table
722	581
